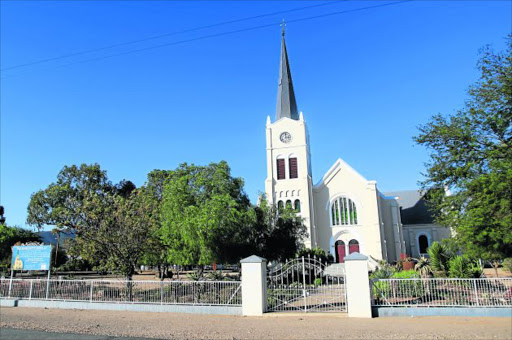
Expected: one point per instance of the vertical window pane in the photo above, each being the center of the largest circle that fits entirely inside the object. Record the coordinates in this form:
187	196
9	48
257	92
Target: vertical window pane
351	206
281	169
336	213
355	213
297	205
280	205
288	204
345	210
293	168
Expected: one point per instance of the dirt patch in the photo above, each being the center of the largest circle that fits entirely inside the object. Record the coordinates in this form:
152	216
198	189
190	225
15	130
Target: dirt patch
270	326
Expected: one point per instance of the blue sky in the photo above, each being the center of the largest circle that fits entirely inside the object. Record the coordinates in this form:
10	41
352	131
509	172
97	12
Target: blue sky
364	79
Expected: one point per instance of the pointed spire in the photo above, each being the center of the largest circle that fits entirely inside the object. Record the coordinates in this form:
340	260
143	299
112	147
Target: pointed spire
286	105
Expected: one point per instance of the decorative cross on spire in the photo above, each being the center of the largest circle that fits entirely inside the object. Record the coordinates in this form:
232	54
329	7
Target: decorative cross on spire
283	25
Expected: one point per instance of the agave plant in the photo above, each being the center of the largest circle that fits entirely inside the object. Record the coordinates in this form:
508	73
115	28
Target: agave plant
438	258
423	267
460	267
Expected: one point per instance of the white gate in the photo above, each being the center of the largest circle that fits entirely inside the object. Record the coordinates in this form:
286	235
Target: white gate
306	285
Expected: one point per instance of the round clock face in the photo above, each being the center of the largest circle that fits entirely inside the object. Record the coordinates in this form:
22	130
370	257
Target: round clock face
285	137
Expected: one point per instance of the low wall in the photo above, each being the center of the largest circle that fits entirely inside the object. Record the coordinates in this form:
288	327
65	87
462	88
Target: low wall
8	302
223	310
442	311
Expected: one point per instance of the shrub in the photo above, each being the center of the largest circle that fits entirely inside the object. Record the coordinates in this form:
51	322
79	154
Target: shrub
405	274
319	253
464	268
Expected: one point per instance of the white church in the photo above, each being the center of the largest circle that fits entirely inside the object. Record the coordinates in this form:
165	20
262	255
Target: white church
343	212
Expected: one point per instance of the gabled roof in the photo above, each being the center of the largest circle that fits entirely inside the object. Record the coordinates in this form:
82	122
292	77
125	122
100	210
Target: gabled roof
286	104
334	170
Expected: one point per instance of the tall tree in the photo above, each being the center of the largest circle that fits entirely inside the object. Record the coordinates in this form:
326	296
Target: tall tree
202	206
471	153
275	235
111	223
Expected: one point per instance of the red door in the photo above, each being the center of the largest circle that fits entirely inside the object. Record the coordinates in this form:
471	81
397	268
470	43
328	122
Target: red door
340	251
353	247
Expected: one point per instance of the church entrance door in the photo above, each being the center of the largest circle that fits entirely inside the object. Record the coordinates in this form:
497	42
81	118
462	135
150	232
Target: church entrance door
340	251
353	246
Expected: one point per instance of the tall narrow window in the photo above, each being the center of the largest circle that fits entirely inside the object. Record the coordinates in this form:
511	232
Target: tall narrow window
280	206
297	205
293	167
281	172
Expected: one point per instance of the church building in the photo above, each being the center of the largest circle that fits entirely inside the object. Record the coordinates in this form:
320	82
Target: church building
343	212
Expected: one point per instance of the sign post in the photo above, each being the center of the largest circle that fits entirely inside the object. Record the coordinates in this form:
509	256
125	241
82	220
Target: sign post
31	257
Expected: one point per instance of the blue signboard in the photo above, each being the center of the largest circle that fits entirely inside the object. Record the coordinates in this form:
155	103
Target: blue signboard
31	257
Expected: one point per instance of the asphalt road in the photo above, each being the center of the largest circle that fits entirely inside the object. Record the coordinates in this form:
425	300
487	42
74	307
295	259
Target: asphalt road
25	334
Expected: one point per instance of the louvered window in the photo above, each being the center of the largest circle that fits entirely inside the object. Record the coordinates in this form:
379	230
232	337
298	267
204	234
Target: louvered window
281	169
293	168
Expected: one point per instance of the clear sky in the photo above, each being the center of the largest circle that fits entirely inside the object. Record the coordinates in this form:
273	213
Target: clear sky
364	79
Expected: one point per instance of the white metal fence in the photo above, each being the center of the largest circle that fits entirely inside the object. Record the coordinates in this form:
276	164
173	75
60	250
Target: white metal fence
442	292
218	293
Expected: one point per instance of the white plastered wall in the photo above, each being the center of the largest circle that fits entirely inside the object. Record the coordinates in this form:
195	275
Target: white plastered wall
342	180
290	189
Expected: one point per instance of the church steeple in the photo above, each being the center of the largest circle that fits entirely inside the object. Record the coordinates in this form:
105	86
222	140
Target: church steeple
286	105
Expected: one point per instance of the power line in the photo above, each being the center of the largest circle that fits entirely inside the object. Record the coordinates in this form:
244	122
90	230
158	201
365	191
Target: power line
168	35
233	32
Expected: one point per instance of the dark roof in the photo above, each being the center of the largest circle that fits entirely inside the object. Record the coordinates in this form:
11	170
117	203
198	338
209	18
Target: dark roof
413	207
286	104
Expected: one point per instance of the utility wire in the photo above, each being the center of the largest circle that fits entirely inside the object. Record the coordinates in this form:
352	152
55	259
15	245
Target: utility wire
168	35
233	32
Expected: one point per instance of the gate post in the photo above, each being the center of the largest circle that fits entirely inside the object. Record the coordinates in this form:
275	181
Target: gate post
359	303
254	286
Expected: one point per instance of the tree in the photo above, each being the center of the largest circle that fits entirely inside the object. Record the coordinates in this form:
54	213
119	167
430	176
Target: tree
471	153
9	236
275	235
112	223
202	207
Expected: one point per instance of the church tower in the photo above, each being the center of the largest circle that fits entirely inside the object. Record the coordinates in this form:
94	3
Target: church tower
289	177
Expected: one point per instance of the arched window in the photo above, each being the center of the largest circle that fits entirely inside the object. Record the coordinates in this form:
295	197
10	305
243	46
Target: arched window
423	243
297	205
339	250
343	211
353	247
280	206
292	162
289	204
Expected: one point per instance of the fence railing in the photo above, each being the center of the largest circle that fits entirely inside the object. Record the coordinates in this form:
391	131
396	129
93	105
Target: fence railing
218	293
442	292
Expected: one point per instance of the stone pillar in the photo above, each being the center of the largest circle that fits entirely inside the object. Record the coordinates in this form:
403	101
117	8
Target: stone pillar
358	286
254	286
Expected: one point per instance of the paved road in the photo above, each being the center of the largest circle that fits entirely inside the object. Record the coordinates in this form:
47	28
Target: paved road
24	334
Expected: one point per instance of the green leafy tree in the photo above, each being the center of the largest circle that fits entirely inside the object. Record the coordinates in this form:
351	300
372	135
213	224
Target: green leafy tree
9	236
203	207
471	153
111	223
275	235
